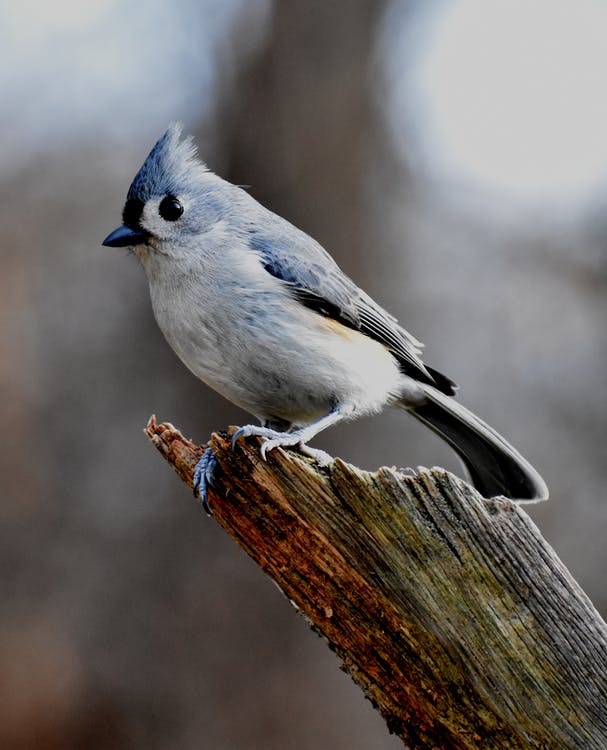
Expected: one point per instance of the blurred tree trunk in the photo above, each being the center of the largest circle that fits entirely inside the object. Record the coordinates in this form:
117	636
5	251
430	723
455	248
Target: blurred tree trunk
451	612
303	122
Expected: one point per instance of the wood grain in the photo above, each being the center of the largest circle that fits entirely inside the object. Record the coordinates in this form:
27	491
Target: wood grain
451	612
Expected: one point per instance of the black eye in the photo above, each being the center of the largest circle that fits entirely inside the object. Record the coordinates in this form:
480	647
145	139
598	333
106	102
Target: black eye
170	208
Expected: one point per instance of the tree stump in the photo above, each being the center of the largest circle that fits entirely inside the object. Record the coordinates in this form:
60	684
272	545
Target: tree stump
450	611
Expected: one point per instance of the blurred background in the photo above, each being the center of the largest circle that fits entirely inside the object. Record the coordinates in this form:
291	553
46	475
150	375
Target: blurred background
452	156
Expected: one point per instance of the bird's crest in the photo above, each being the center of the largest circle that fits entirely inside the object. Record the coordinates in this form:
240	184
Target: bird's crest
169	167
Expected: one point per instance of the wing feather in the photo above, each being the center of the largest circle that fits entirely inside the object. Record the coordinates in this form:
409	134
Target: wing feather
317	281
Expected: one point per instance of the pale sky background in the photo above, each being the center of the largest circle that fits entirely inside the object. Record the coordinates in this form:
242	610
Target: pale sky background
501	95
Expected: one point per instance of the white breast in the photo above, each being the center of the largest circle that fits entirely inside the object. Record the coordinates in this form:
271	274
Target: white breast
239	330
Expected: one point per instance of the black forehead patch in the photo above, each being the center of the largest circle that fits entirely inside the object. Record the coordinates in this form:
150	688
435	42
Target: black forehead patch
131	213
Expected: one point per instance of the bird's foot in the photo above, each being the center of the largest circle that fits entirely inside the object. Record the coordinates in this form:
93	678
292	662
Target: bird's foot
276	439
253	430
322	458
203	477
273	438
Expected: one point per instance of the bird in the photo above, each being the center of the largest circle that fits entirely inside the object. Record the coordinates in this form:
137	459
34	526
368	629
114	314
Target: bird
260	312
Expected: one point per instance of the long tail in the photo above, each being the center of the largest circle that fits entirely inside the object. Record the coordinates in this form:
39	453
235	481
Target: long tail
494	466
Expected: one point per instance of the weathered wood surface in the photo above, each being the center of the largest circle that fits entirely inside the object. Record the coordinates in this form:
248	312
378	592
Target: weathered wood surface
451	612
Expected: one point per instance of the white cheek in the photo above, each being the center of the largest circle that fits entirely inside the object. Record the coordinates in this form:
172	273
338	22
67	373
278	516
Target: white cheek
152	221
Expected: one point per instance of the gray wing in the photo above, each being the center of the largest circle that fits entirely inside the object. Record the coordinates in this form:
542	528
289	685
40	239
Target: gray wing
317	281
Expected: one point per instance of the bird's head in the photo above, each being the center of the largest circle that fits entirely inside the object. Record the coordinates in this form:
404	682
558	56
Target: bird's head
172	198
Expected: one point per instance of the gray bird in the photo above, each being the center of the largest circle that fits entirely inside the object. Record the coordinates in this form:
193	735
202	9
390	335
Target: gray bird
260	312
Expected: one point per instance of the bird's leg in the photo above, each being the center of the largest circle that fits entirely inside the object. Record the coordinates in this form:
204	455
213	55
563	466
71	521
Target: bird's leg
203	477
298	437
279	425
203	473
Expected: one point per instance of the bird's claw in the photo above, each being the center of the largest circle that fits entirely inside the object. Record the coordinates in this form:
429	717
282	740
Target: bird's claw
203	477
322	458
284	441
250	430
275	439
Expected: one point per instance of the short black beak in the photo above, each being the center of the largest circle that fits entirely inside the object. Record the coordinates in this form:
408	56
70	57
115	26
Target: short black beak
126	237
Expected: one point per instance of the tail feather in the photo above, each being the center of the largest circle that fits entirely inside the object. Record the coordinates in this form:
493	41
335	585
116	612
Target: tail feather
494	466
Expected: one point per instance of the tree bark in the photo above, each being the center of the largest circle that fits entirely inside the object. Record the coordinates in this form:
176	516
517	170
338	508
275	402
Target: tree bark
451	612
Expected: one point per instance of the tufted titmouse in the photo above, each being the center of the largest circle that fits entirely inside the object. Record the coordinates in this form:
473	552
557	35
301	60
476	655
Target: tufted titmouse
260	312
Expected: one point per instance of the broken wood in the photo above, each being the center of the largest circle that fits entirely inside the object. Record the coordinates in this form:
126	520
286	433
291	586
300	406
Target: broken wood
451	612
